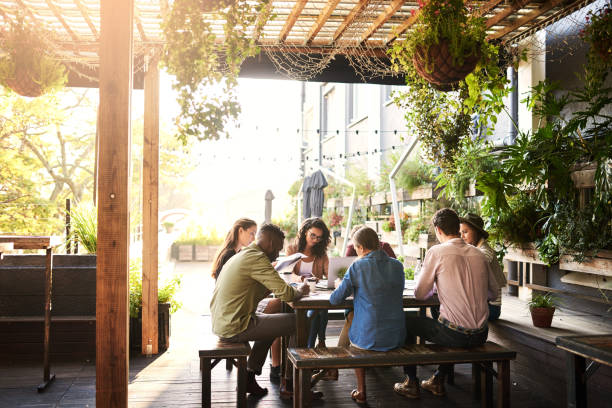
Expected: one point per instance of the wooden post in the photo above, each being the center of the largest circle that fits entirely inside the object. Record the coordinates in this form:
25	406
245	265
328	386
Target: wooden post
150	189
112	365
47	376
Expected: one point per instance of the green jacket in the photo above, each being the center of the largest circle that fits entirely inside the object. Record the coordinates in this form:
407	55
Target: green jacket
245	280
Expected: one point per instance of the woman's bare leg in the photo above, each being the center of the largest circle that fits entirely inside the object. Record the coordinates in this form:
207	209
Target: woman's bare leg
361	385
343	340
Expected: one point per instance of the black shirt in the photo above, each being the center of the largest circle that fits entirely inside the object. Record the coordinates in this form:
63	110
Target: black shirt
224	258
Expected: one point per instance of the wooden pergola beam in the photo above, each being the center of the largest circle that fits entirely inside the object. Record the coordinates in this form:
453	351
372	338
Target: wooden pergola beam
515	6
399	30
321	20
519	22
291	19
58	15
27	10
87	18
112	265
488	6
382	19
259	23
141	31
349	19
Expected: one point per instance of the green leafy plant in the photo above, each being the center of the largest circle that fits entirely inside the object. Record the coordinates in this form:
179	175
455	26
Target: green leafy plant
28	67
195	235
412	174
449	21
409	273
542	300
166	292
342	272
84	227
288	224
206	67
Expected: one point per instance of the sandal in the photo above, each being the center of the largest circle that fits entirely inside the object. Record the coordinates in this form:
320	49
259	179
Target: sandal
358	397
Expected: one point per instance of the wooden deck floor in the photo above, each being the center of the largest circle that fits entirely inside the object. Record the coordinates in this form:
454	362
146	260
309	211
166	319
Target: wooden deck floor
172	379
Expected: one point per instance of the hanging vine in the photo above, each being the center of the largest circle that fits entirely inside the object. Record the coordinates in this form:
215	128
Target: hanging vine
206	66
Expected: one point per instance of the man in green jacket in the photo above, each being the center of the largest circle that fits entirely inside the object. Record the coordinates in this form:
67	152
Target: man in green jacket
246	279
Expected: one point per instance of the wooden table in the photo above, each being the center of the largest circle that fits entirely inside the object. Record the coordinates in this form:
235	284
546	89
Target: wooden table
46	243
320	300
598	349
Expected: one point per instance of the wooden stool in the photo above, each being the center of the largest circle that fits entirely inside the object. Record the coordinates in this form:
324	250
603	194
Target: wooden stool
237	354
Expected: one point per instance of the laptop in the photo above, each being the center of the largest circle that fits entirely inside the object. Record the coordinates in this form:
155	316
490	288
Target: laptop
335	264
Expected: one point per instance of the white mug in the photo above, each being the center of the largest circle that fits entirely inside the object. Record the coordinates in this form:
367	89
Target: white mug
312	284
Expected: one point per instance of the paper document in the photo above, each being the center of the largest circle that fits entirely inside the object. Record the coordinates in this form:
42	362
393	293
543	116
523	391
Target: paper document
286	262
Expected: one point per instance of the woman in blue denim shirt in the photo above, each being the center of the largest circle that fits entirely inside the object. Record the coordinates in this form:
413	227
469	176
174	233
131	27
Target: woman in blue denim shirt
377	283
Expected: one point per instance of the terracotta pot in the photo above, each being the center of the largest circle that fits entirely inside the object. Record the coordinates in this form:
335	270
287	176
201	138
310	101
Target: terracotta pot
23	83
437	66
542	316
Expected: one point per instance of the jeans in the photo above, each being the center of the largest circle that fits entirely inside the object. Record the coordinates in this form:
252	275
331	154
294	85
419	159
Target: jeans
494	312
263	329
435	332
318	325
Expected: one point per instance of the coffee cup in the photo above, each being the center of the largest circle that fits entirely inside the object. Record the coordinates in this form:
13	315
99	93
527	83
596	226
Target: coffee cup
312	284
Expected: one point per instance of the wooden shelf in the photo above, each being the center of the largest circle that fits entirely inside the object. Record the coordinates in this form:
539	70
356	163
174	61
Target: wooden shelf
513	283
566	292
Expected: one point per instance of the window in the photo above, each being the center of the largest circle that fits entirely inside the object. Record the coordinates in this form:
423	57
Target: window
353	102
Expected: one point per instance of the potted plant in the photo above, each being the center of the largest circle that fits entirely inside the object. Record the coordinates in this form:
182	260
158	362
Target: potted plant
28	68
167	304
447	42
168	226
542	309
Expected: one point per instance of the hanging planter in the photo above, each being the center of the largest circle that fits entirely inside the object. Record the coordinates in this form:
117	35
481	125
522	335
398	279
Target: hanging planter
28	69
598	33
446	44
440	68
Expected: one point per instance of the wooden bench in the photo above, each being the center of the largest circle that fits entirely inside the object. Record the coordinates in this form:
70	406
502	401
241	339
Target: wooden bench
211	354
304	360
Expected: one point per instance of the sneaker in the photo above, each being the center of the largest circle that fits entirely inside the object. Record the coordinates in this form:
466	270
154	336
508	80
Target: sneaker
274	373
409	388
253	388
435	385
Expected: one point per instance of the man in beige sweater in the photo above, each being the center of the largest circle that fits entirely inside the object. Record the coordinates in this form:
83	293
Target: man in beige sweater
246	279
464	281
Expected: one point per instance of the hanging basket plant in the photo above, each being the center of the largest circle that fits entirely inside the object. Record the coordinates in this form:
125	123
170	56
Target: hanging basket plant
439	67
28	68
598	33
206	60
446	43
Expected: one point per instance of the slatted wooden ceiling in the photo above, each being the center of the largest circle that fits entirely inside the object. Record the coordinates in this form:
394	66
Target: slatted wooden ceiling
301	24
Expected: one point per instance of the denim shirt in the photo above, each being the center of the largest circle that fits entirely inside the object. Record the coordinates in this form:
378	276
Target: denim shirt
377	282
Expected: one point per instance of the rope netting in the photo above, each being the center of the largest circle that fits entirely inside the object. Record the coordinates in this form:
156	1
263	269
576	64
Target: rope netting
561	40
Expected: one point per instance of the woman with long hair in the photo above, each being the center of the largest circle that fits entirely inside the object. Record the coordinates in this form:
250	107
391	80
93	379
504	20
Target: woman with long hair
312	240
241	235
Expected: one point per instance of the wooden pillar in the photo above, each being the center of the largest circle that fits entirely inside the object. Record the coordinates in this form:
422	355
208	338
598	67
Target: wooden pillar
150	189
112	311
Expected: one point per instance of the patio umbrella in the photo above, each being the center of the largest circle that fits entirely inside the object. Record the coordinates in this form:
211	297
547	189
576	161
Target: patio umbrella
317	184
268	212
306	197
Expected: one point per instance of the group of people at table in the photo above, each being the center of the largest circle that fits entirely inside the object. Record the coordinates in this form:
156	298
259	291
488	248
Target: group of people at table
463	270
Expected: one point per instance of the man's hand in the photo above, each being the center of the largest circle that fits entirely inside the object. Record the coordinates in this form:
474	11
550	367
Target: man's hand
302	290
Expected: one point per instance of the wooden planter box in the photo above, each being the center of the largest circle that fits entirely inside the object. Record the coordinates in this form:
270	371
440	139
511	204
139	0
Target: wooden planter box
584	178
526	253
364	201
380	198
411	250
422	193
163	334
598	265
426	241
185	252
347	202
